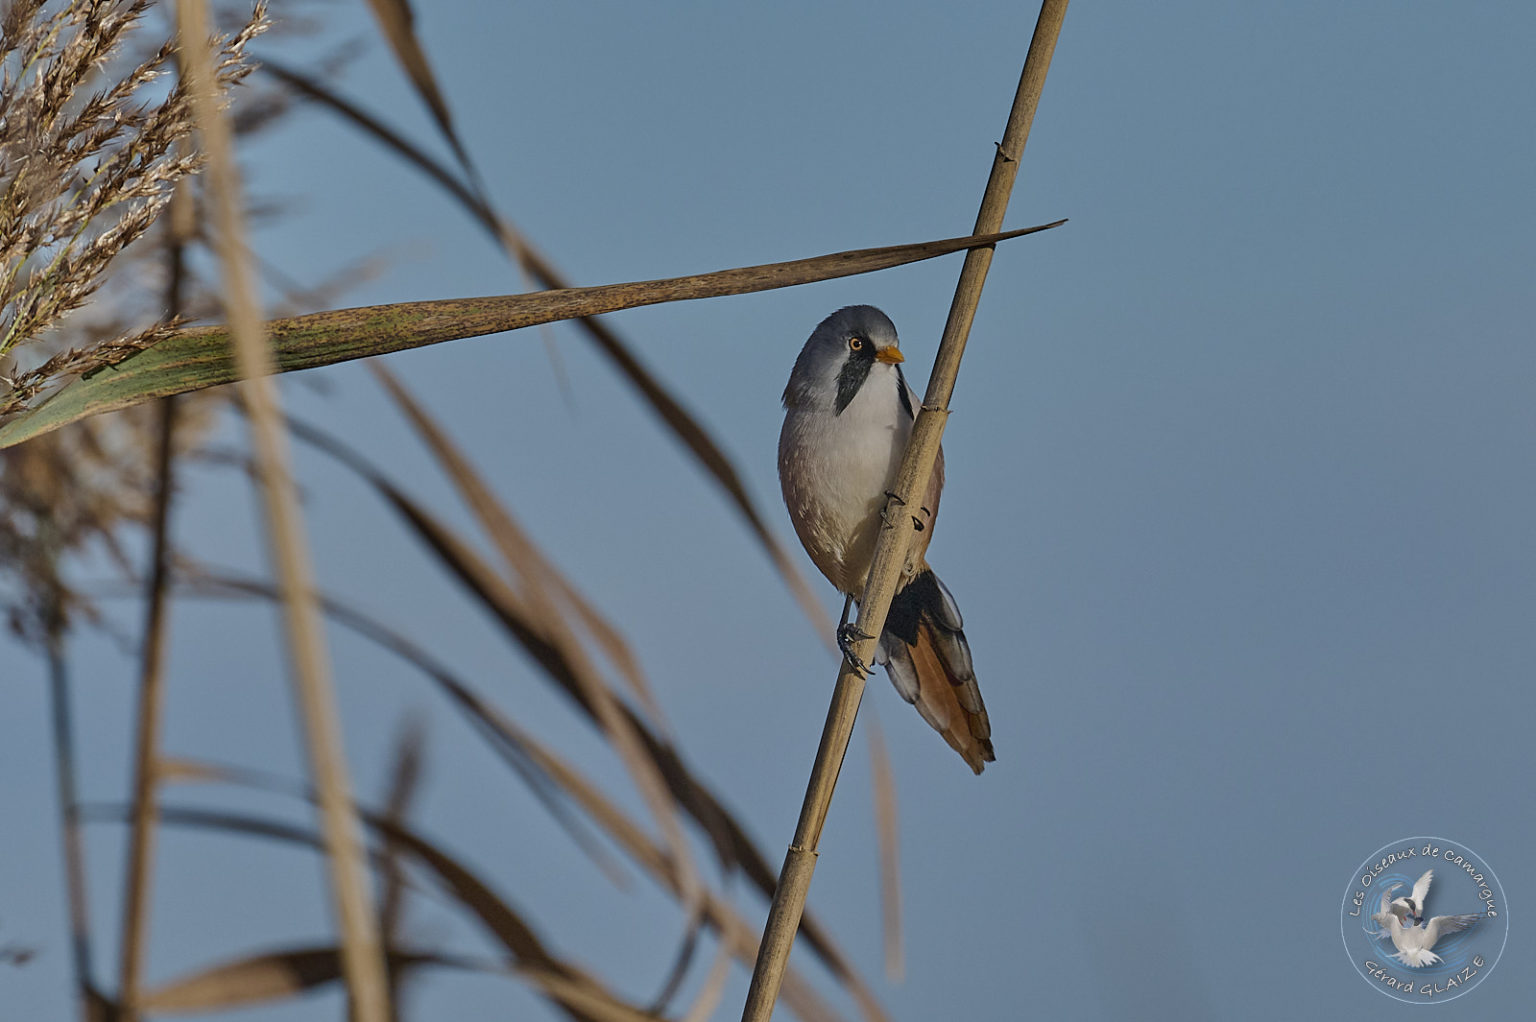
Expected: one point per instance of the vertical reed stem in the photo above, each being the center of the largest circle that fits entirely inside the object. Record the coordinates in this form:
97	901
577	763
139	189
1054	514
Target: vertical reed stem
139	870
361	954
890	550
69	805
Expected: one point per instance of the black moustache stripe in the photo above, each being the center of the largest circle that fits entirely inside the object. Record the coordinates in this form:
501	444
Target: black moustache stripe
852	376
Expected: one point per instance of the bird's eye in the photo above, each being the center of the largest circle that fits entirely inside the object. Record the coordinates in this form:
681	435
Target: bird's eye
857	344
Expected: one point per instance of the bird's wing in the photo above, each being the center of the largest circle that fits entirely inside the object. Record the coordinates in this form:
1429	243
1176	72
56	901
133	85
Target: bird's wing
1388	914
1444	926
1421	889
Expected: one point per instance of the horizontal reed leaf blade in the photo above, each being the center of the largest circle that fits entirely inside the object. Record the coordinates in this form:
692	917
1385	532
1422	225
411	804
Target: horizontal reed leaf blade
200	357
275	975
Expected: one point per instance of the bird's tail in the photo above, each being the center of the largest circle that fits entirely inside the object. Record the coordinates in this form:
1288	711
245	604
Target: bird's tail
925	653
1417	957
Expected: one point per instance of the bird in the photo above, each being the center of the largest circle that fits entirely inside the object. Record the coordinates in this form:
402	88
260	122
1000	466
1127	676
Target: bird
848	414
1414	943
1414	905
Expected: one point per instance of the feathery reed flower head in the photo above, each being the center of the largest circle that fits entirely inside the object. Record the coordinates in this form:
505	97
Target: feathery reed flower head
88	158
92	146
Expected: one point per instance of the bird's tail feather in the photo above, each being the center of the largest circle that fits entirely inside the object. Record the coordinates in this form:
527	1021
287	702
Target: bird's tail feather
1417	957
925	653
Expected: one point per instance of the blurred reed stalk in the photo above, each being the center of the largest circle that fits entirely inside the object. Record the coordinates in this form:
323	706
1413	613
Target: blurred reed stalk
75	888
181	227
622	732
883	781
890	549
362	958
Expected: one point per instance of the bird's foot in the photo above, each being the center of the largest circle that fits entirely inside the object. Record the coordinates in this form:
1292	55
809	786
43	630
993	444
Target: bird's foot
847	635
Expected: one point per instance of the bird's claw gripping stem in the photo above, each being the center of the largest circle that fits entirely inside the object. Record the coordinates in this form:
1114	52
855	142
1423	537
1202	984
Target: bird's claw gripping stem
847	634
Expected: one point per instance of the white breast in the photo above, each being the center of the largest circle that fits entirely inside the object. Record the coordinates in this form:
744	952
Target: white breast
835	470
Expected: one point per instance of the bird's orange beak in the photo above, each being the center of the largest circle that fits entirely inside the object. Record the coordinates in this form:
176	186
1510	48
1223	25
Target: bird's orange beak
890	356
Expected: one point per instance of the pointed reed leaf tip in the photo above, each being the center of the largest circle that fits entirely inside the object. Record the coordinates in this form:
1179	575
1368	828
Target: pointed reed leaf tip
1005	235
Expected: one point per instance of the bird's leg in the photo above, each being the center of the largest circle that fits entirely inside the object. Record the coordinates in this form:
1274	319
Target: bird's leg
847	634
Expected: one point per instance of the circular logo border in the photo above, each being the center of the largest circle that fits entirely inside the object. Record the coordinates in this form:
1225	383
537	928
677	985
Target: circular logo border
1354	886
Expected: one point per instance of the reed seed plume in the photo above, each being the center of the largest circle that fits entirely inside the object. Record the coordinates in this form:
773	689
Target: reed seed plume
88	156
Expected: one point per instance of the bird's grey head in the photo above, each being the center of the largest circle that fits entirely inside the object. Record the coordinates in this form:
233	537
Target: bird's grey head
840	355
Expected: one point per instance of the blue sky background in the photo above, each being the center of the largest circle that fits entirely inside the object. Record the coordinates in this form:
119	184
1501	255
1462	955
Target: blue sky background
1239	501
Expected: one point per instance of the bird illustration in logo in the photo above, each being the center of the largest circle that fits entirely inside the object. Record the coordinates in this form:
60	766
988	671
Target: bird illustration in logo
1414	904
1401	919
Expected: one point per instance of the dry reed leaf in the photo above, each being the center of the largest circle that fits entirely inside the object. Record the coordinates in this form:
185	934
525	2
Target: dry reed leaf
521	747
295	297
581	1001
314	89
101	1008
214	819
404	782
734	931
192	359
230	822
708	999
732	846
517	549
533	569
275	975
179	770
889	842
540	632
498	731
667	408
578	991
686	949
397	22
610	641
